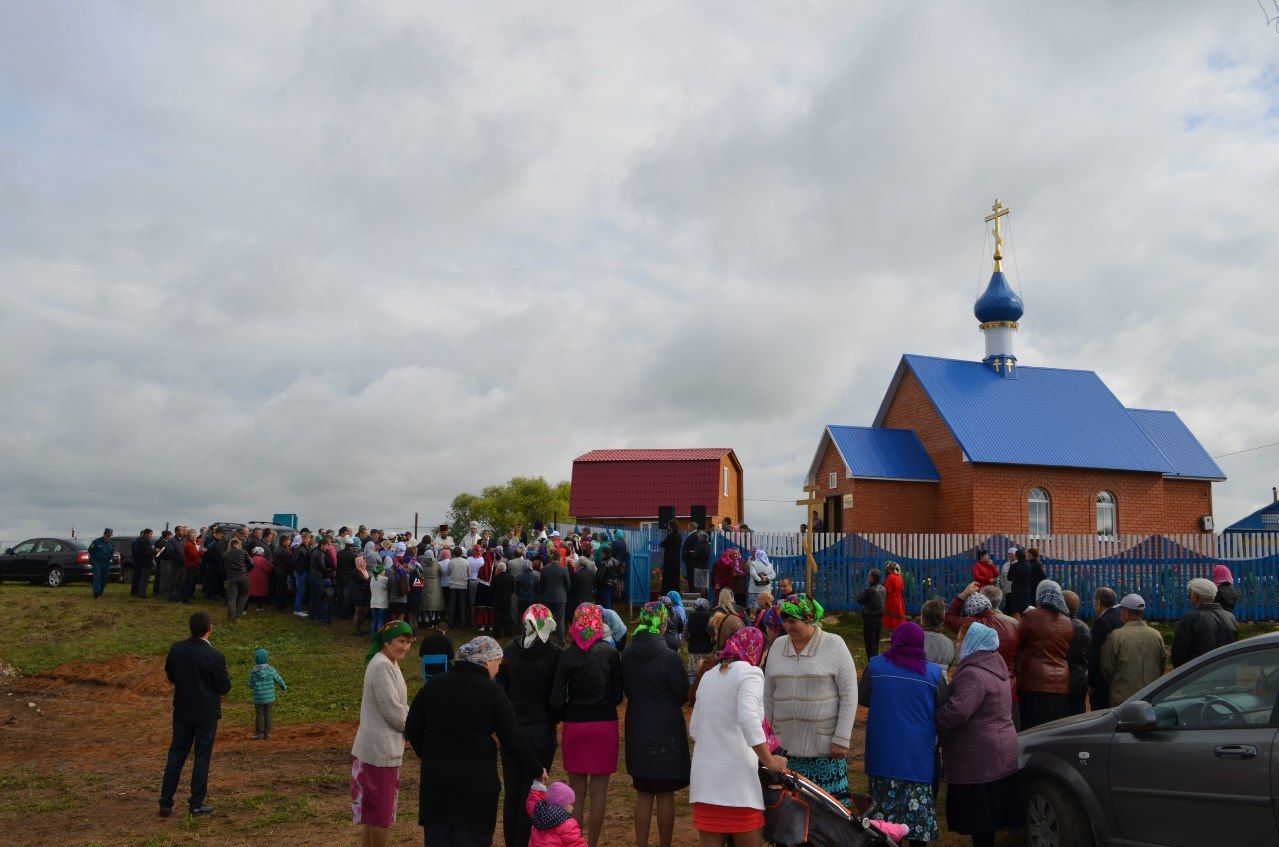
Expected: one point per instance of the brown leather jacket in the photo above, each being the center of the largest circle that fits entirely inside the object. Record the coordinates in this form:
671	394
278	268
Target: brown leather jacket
1043	657
1005	626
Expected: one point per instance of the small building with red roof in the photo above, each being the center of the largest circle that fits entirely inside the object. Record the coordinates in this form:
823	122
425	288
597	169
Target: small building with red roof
630	487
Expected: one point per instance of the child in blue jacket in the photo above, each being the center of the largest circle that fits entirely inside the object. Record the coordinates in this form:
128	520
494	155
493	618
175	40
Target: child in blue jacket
263	680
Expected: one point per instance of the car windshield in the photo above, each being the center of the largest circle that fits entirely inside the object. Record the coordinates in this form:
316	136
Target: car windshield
1238	689
75	544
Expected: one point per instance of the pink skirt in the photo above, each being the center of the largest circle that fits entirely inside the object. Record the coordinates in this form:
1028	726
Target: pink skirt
591	747
374	791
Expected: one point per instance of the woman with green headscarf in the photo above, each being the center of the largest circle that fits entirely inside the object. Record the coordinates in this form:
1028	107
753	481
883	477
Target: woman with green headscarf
379	741
657	758
810	695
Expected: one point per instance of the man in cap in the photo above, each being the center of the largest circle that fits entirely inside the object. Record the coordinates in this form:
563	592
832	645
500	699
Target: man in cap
1133	656
101	552
1205	627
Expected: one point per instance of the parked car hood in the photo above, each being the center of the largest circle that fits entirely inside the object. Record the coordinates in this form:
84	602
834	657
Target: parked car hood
1058	727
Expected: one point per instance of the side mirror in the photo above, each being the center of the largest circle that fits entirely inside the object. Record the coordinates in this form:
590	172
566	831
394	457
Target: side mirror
8	551
1135	716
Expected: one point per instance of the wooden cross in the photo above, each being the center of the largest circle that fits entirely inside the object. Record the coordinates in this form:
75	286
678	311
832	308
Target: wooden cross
998	211
811	563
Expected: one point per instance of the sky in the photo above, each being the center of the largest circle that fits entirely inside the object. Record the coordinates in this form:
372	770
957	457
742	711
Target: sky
347	260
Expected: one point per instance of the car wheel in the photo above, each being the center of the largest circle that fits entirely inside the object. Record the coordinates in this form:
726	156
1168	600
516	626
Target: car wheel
54	577
126	574
1054	817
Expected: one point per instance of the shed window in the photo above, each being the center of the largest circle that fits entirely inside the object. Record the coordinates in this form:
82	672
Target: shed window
1040	513
832	481
725	482
1107	515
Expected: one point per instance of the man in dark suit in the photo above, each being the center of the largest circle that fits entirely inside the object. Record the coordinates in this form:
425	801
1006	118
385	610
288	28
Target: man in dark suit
199	676
1107	620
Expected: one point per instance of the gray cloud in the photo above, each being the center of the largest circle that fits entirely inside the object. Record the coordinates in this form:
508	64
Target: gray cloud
348	261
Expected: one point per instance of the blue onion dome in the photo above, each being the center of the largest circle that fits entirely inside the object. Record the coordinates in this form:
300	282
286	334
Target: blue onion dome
999	302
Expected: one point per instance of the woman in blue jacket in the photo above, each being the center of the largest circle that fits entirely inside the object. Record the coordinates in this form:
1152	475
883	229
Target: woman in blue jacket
903	690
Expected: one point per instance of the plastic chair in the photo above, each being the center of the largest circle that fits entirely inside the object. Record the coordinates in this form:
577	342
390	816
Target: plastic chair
434	660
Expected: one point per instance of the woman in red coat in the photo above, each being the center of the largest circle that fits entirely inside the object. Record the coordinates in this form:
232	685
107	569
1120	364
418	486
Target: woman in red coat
259	578
895	603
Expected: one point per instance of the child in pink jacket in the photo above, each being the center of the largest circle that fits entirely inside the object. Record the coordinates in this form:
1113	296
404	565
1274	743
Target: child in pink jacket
552	812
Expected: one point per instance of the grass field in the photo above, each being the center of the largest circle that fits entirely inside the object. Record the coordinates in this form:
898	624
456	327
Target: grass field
84	725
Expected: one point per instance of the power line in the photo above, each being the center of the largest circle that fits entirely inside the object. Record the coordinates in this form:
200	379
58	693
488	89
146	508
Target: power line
1248	450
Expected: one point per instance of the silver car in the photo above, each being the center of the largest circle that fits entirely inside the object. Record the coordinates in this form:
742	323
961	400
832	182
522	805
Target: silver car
1189	760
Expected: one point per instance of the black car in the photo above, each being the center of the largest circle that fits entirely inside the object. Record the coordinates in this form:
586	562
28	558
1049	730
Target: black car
1190	759
51	561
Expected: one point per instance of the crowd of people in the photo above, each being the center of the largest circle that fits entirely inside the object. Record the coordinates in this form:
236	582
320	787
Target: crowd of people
371	577
769	687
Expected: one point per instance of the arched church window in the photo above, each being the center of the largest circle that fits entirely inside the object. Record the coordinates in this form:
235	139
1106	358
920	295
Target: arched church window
1107	515
1040	513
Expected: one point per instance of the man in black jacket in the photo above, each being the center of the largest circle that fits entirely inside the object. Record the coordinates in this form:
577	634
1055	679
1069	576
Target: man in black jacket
1107	619
688	552
1205	627
173	564
1077	655
143	553
344	585
211	564
199	676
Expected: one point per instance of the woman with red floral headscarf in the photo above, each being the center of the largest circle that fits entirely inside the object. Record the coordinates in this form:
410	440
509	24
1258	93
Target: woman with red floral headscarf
586	692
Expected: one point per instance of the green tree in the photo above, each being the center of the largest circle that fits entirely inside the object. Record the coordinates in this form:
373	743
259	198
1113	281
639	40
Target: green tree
519	502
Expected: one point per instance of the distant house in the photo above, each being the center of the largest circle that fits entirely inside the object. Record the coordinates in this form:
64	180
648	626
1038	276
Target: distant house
1265	519
630	487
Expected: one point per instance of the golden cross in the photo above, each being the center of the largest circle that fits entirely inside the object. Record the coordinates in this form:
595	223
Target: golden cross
998	211
811	563
813	499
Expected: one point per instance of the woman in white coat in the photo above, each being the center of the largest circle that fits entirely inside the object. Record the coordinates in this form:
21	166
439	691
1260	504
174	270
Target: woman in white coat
760	576
728	728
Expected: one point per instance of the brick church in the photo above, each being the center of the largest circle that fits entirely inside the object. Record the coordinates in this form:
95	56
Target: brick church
993	446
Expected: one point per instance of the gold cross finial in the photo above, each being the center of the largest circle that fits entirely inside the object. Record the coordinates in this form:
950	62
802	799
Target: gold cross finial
998	211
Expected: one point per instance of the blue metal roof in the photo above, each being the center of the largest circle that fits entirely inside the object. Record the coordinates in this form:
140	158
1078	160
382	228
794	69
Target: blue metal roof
1046	416
1262	520
1175	440
872	453
999	302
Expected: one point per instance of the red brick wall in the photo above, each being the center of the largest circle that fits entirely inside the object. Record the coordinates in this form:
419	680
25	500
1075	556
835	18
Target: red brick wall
1000	498
881	505
911	409
1185	502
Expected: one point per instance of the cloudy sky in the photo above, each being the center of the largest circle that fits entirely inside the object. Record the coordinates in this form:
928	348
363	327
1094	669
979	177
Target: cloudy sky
347	260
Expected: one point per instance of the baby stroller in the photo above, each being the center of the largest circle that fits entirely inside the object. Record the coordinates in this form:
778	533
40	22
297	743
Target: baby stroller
799	812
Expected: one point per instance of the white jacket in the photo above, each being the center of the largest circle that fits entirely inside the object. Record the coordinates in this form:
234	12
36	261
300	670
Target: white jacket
728	720
759	570
378	595
383	710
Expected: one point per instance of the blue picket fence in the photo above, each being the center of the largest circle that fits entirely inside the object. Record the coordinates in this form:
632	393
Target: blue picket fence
1157	567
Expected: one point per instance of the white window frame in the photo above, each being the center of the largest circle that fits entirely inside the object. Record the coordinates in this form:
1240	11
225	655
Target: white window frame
832	480
725	482
1043	504
1107	503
